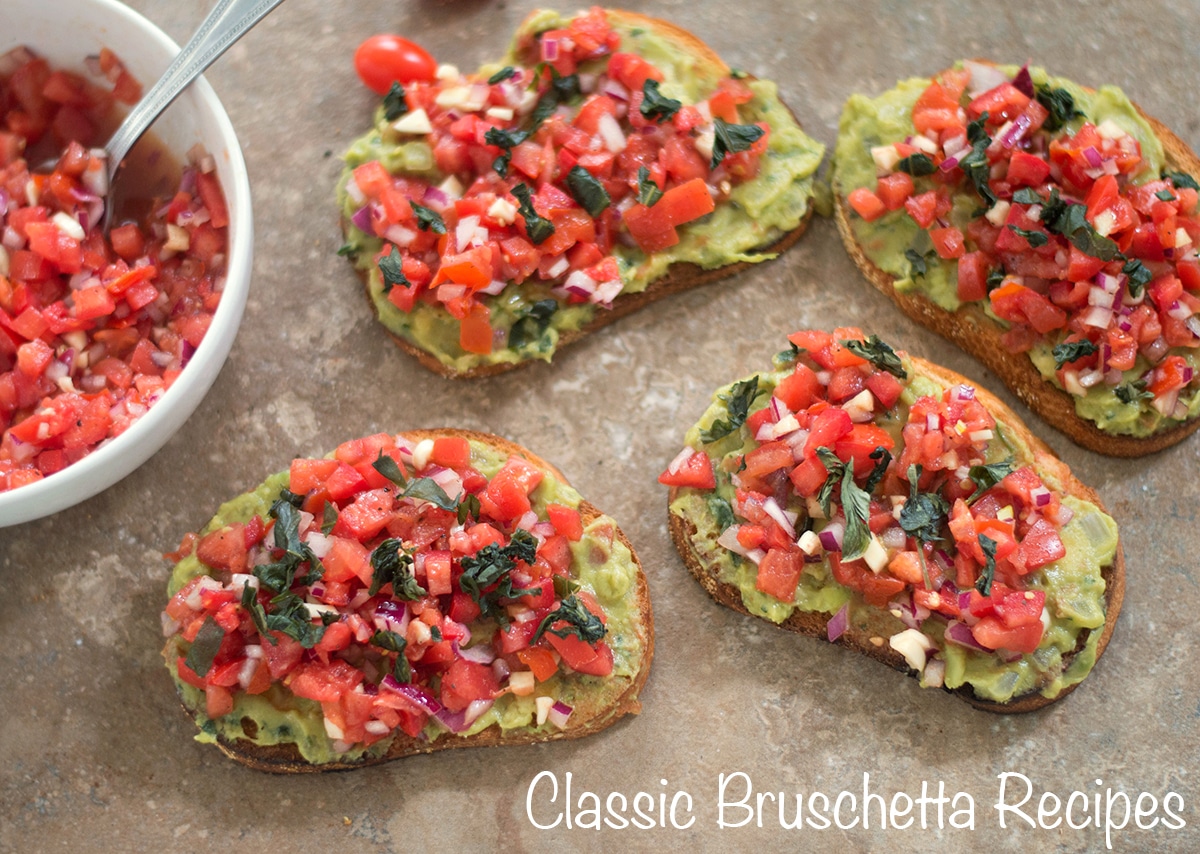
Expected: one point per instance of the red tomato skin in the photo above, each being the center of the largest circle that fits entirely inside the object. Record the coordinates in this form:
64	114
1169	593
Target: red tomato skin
384	59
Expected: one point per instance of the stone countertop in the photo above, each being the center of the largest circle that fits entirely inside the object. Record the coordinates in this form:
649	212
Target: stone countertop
97	754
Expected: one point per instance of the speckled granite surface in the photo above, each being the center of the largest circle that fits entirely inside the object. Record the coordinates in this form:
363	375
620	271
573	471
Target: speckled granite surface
95	753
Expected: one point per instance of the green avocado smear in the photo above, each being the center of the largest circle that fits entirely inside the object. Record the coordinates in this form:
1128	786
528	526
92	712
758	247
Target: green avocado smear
757	213
1074	585
601	564
869	122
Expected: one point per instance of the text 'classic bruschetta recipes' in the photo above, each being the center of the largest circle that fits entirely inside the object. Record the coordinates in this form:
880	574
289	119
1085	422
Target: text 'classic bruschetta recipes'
94	327
887	504
1018	213
611	159
407	594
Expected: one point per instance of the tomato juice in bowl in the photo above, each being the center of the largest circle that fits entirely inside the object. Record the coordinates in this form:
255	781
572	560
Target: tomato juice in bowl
76	29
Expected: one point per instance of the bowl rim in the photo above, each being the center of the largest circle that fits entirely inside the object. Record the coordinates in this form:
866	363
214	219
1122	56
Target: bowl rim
112	462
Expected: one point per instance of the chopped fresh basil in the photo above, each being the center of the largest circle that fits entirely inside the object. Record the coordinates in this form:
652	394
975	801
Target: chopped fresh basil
392	270
1061	106
1035	238
648	192
401	671
537	226
329	517
388	640
531	323
428	219
917	262
491	567
995	278
984	584
586	190
468	508
503	74
564	587
923	513
562	89
730	139
878	353
257	615
392	564
204	647
737	403
1069	219
291	617
581	622
347	249
291	498
507	140
657	106
1133	391
857	506
975	165
1069	351
1181	180
918	165
722	512
833	476
394	104
428	489
1139	276
281	575
987	476
883	458
389	468
1165	196
1027	196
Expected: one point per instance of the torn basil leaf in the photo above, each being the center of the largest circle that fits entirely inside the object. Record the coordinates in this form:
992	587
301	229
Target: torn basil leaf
655	105
1035	238
737	403
918	165
392	563
1069	351
428	219
392	270
984	584
537	226
1061	106
588	191
581	622
878	353
503	74
531	323
204	647
730	139
394	104
648	192
987	476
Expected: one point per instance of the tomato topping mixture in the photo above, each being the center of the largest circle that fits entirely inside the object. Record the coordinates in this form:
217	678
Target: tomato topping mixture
392	584
93	329
548	166
1073	243
916	513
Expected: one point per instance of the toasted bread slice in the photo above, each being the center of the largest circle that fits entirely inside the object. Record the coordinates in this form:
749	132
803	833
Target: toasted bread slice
755	230
694	526
596	702
979	333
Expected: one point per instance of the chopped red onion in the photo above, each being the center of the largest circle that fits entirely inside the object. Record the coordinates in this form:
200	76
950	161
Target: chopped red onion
558	714
781	517
1098	296
984	77
1156	350
362	220
949	164
549	50
1023	83
831	536
420	697
614	89
1016	131
1180	310
1098	316
838	623
960	633
964	392
480	654
1093	157
935	673
1193	325
682	457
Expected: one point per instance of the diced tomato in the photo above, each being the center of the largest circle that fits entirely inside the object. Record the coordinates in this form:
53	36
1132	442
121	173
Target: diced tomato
779	573
566	521
465	682
867	204
695	472
991	632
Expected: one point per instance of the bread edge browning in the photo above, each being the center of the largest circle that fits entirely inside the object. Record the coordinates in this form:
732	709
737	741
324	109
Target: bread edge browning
974	331
681	276
286	758
814	623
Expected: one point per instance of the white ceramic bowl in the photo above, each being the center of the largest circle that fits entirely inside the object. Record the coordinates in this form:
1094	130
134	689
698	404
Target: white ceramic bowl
65	32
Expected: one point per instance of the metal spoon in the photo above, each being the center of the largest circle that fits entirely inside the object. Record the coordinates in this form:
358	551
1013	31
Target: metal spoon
226	23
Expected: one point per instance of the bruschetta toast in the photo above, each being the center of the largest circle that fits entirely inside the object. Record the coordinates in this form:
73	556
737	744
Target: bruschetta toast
610	159
886	504
407	594
1047	229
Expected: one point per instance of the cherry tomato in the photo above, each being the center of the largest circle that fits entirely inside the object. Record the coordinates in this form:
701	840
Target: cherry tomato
383	59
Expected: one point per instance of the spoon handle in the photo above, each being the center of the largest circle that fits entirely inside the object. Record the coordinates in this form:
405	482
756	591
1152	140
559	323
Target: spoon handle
224	25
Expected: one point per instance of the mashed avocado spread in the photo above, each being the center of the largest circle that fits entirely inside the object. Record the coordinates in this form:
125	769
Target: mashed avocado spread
757	213
869	122
1074	586
601	565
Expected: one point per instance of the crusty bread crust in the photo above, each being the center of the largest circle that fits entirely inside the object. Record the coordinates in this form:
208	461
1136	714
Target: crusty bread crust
978	334
286	758
813	624
679	277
